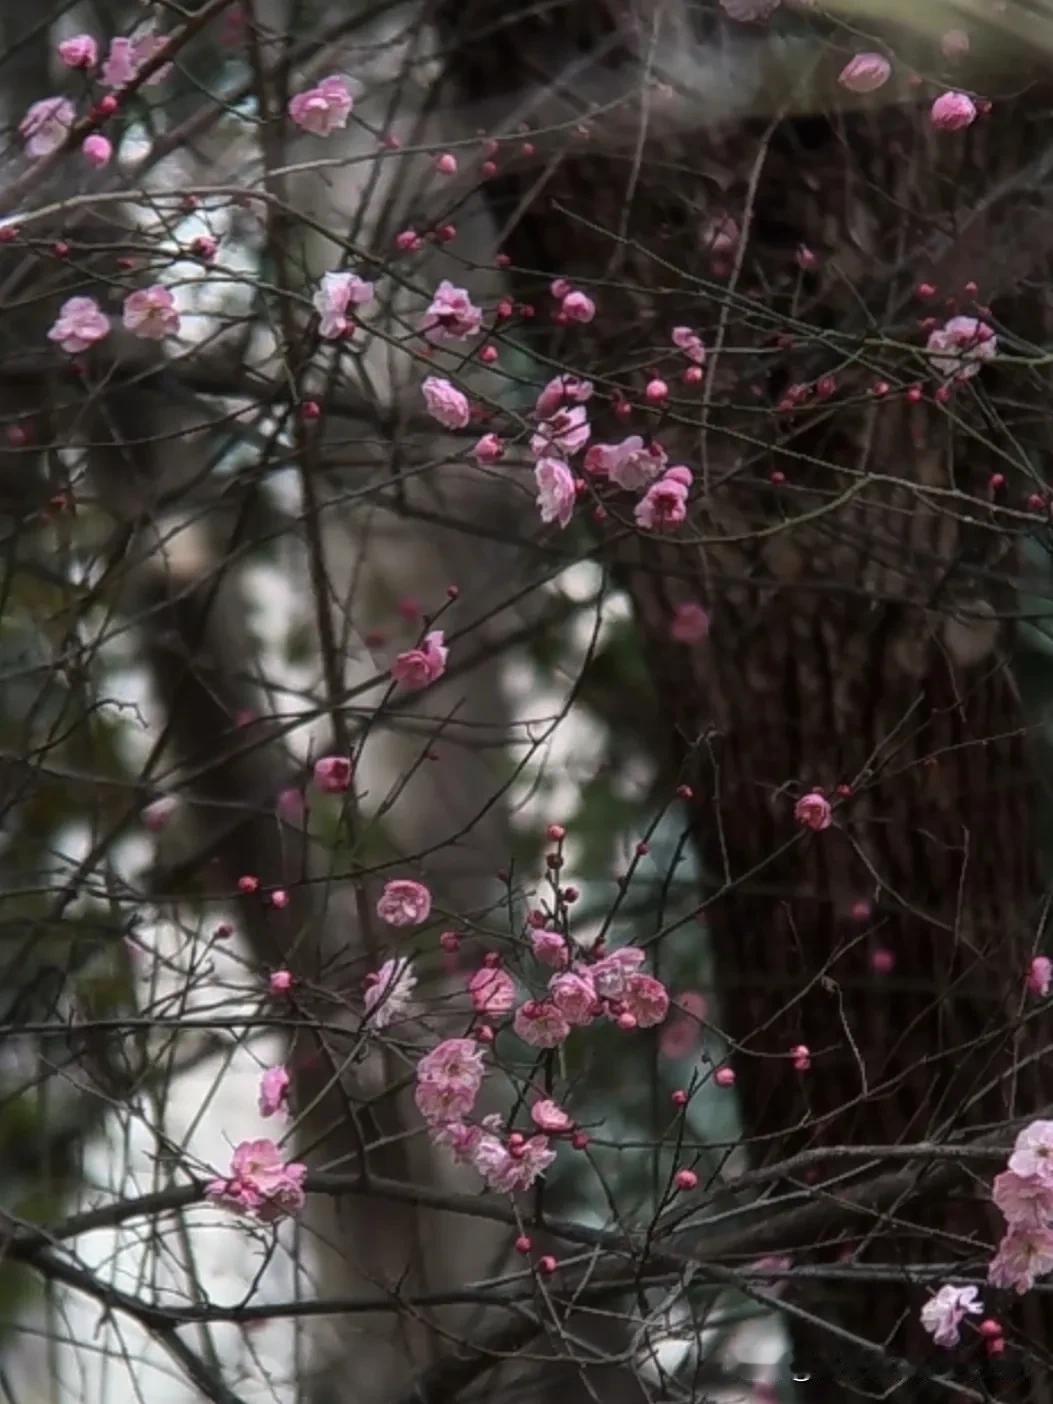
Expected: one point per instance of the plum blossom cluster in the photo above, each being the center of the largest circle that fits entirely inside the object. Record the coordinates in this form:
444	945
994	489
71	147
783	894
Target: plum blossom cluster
612	986
148	313
261	1184
1024	1194
449	1079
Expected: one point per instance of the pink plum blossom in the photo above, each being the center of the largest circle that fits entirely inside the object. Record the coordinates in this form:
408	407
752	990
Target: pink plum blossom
281	982
274	1091
451	315
952	111
812	811
150	313
389	992
664	504
646	999
556	492
418	668
631	464
81	323
80	51
260	1184
691	344
1040	976
97	150
690	624
549	1116
333	774
404	903
506	1169
337	295
1033	1152
611	974
489	449
1023	1255
966	343
46	125
559	390
493	991
449	1079
942	1314
446	403
323	109
574	994
550	948
578	307
865	73
1025	1200
540	1025
563	434
127	56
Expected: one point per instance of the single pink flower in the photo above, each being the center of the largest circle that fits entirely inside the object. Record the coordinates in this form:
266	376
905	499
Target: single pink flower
1040	976
550	948
540	1025
404	903
449	1079
942	1314
97	150
389	992
865	73
334	300
691	344
646	999
81	323
46	125
493	992
556	492
158	813
260	1183
333	774
558	391
549	1116
456	1136
127	56
952	111
511	1171
690	624
323	109
1033	1152
489	449
802	1056
420	667
1026	1201
81	51
664	504
961	346
446	403
574	994
577	307
1022	1256
812	811
451	315
631	464
150	313
281	982
611	974
274	1091
563	434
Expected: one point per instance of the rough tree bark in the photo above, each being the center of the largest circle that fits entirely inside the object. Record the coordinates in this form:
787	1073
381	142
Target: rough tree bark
860	630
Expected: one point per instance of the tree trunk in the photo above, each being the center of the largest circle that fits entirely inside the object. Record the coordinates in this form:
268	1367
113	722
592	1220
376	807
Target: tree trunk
860	602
